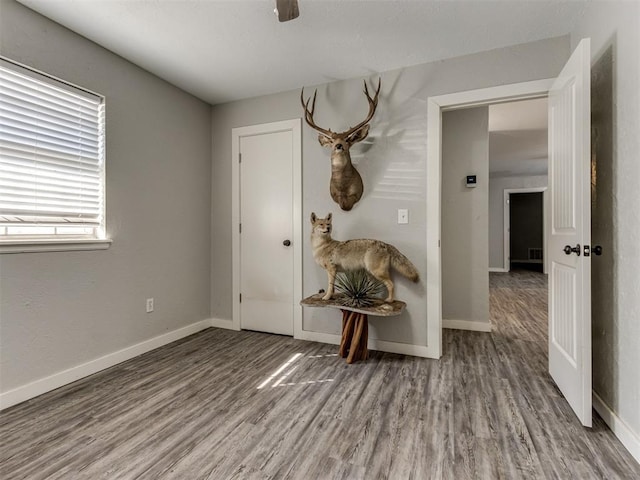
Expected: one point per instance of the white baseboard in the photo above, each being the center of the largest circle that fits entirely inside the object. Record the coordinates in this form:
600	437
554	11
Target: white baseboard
401	348
372	344
330	338
466	325
629	438
223	323
498	269
57	380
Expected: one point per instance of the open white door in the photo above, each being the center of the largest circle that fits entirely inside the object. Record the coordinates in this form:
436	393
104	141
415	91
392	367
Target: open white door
570	236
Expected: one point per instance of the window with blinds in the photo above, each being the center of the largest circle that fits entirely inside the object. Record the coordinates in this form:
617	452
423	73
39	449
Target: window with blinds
51	157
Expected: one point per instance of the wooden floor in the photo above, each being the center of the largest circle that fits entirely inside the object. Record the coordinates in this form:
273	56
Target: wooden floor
244	405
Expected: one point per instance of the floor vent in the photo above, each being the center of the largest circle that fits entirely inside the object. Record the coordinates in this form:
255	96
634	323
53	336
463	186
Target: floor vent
535	254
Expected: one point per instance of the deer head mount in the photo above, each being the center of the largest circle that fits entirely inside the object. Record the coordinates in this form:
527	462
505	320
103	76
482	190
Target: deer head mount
346	183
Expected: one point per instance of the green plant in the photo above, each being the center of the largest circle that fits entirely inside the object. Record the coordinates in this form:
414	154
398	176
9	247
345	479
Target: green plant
359	287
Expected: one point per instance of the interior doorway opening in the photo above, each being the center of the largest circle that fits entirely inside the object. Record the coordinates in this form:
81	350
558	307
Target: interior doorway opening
526	231
569	319
530	225
518	163
503	145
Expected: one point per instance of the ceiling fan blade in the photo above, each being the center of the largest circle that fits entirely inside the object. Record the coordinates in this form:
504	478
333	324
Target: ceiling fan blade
287	10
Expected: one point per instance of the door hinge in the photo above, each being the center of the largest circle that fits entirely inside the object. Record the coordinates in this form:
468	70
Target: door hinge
239	228
240	298
239	158
587	250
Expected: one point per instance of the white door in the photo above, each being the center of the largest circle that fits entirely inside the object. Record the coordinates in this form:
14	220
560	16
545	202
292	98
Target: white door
266	232
570	235
266	208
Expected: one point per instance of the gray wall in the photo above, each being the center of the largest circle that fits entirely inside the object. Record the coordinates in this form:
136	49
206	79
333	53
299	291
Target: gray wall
392	162
497	186
465	216
59	310
614	31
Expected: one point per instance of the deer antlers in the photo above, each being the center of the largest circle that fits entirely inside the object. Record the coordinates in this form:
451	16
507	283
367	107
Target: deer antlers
308	114
346	183
373	104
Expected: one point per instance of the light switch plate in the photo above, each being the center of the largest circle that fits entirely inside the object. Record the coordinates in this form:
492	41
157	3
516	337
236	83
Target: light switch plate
403	215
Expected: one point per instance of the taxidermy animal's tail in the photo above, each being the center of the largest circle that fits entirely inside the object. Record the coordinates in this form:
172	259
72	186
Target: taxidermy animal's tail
402	264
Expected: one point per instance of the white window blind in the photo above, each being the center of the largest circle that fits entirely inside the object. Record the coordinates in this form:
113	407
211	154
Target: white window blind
51	157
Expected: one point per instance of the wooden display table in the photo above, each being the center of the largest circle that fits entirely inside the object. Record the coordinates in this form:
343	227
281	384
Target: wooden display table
355	322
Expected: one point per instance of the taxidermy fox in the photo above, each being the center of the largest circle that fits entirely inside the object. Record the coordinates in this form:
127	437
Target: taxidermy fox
373	255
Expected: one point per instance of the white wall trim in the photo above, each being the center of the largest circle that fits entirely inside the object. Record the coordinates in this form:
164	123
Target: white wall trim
498	269
466	325
435	106
624	433
223	323
375	344
330	338
403	348
434	211
500	93
53	245
57	380
334	339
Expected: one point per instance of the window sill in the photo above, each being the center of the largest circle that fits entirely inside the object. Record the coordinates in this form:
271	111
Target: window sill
49	245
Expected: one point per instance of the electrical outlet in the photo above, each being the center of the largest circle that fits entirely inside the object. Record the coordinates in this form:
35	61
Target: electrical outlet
149	305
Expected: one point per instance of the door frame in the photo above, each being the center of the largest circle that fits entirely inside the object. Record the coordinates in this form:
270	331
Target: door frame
435	106
295	127
507	224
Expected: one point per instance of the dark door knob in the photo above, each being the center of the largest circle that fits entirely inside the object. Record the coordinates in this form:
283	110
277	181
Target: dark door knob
568	249
597	250
286	243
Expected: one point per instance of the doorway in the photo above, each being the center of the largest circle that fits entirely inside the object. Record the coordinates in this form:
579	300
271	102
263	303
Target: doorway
529	224
518	163
505	145
267	233
435	107
569	233
526	232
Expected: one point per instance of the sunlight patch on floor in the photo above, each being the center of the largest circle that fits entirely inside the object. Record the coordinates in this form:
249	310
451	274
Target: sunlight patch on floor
280	370
279	377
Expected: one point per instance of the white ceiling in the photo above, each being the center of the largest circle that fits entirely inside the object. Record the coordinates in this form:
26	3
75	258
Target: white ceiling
518	138
227	50
222	51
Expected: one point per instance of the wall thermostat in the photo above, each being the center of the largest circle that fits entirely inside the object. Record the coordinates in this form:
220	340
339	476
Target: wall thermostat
471	181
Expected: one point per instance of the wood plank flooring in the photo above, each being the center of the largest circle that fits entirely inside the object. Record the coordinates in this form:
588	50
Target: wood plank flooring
244	405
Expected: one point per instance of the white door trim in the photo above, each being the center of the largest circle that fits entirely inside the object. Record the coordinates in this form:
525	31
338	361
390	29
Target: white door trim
435	107
236	134
507	224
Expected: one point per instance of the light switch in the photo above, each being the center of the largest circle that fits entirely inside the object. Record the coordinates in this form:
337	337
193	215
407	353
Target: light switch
403	215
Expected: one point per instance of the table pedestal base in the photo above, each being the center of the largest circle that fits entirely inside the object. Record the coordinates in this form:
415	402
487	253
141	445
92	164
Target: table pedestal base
355	321
355	333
